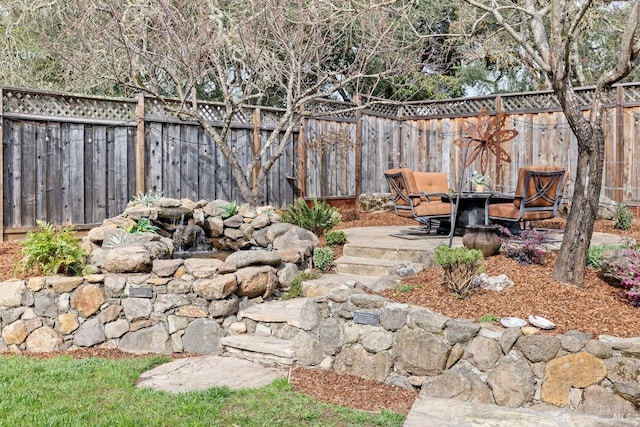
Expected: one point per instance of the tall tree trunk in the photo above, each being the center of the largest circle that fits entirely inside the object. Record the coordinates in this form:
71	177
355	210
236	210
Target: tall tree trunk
571	261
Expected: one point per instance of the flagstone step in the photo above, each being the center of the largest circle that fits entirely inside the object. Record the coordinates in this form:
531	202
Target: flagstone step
366	266
394	254
331	281
258	348
299	312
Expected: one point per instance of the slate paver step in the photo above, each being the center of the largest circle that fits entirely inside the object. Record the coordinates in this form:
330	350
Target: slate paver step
366	266
260	348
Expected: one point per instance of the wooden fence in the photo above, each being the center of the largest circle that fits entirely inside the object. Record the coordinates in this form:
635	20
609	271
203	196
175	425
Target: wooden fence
76	160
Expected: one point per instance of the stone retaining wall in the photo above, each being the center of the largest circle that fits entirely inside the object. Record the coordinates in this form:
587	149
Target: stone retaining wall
171	309
371	337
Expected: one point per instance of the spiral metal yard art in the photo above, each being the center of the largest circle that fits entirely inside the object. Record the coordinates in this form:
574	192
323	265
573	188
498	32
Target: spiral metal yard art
485	136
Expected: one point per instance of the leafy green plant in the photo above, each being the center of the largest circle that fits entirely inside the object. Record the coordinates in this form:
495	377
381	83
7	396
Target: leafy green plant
460	266
295	287
142	225
623	218
52	251
488	318
145	226
230	210
146	199
323	259
335	238
317	218
594	254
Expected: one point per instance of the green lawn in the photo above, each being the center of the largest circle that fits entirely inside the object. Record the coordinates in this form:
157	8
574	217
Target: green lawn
100	392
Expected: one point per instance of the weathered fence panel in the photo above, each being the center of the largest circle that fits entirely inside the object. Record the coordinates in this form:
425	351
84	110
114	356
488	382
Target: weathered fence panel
76	160
58	172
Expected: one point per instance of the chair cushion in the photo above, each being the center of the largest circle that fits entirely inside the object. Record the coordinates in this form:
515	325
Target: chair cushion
509	212
431	182
433	208
504	210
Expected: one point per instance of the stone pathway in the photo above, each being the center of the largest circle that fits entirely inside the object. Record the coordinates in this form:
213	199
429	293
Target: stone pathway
451	413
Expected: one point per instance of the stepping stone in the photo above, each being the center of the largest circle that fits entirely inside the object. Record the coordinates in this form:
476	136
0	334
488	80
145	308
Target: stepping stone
260	348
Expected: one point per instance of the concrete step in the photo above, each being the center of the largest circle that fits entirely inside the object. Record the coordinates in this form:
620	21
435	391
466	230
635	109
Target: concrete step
298	312
328	282
260	348
389	253
365	266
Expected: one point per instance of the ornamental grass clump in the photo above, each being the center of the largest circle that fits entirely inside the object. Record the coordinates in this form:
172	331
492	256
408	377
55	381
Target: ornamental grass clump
461	266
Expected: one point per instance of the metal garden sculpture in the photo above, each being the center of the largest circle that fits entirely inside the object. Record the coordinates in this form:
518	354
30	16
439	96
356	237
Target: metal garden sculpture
485	136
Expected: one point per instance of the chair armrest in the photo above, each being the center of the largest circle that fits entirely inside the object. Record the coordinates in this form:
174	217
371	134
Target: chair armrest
444	197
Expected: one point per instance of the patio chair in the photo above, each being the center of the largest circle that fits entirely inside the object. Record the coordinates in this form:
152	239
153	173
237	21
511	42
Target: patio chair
539	191
423	196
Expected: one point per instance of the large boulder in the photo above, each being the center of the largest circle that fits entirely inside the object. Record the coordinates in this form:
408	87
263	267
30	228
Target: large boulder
256	281
616	261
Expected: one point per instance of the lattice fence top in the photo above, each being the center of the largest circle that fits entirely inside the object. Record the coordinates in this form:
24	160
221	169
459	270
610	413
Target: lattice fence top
66	106
452	107
341	110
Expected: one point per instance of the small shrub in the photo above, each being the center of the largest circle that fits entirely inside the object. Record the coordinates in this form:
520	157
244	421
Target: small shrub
323	259
230	210
52	251
404	288
623	218
630	276
295	287
460	266
488	318
335	238
594	254
146	199
317	218
525	248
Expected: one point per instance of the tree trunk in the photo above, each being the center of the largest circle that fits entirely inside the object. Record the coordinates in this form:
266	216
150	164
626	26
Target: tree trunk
571	261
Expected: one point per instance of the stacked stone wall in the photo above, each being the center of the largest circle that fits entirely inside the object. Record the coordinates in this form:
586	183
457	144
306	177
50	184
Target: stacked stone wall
172	309
371	337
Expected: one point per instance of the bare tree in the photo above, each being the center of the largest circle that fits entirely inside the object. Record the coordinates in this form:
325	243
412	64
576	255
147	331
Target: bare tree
545	33
284	54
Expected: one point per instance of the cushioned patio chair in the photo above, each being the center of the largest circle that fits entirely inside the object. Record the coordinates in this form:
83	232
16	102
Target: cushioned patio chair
538	194
423	196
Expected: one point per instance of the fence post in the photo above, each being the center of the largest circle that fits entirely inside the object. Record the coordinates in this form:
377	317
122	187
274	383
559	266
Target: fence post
301	172
619	145
140	146
358	149
1	164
